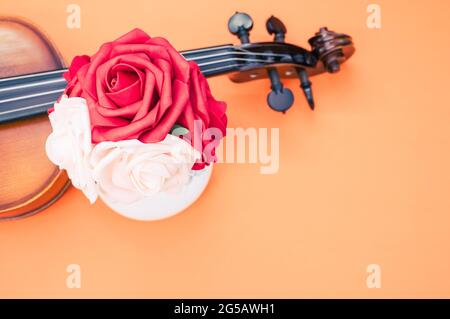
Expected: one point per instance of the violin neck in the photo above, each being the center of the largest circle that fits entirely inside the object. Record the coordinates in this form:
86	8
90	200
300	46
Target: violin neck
33	94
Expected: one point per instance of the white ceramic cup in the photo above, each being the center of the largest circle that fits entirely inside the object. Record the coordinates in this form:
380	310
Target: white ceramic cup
164	205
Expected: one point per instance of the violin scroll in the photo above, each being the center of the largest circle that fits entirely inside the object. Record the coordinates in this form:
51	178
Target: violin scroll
278	59
328	47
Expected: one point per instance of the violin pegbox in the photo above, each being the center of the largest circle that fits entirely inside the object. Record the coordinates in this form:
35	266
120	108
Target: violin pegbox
277	59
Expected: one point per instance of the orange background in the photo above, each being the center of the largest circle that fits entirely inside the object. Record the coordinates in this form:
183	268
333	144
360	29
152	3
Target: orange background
364	179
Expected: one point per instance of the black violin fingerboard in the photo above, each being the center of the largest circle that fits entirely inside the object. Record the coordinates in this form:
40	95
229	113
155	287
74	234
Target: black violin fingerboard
33	94
29	95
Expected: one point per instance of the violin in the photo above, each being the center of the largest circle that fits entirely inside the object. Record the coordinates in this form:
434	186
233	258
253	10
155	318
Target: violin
31	81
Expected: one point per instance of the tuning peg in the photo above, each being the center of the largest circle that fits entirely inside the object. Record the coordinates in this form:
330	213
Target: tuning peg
240	24
275	26
305	84
280	98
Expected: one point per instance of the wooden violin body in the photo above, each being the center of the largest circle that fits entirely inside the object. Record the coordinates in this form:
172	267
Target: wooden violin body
29	182
31	81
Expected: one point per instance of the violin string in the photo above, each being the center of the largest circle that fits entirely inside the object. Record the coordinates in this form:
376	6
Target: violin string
25	108
231	59
23	97
219	47
62	80
204	64
30	85
25	76
239	51
53	72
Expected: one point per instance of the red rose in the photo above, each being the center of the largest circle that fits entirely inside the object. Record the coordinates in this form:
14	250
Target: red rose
204	109
138	87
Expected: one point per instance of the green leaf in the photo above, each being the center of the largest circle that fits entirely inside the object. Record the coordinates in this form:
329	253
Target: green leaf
179	130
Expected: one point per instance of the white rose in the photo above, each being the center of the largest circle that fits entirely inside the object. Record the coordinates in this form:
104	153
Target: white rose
69	145
130	170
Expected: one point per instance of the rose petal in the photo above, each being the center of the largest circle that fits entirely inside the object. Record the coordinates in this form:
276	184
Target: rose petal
129	170
127	95
77	63
134	36
147	108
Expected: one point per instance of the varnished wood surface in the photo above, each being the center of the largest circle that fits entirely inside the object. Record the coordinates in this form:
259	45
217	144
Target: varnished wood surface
24	49
28	180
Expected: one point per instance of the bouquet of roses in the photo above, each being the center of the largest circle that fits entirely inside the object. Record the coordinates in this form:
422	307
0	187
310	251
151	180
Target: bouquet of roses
132	120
